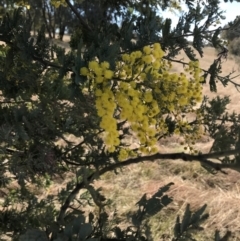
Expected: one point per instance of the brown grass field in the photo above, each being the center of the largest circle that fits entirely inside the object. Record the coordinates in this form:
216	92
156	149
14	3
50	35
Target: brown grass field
192	184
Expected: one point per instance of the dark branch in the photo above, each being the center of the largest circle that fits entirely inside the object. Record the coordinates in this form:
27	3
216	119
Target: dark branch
82	22
202	158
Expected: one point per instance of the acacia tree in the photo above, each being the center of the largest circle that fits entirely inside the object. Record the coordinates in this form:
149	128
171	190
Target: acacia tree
116	82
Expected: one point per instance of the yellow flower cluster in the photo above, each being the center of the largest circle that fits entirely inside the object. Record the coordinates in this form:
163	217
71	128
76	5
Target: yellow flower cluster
58	3
142	90
105	100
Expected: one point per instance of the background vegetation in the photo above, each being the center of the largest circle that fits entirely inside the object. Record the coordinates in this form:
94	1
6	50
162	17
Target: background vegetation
75	122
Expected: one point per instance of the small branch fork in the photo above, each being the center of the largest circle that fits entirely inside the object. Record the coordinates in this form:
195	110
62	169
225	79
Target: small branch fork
202	158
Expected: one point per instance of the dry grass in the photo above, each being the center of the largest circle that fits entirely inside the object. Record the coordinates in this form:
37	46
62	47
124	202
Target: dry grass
192	184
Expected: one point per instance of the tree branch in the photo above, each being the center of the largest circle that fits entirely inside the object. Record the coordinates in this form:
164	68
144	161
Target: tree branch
34	57
192	34
82	22
202	158
221	78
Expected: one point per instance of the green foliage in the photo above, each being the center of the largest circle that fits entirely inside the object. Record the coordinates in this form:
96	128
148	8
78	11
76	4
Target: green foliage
50	127
233	47
189	221
231	36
